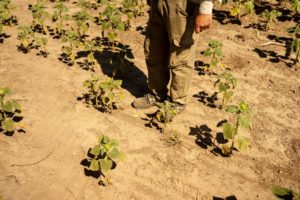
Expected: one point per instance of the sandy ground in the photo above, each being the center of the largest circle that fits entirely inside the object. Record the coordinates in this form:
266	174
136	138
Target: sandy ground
60	129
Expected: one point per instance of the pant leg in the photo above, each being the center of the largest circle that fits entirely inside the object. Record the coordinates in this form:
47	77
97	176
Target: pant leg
156	48
183	42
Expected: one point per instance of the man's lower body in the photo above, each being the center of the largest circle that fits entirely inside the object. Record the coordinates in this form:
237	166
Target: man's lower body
170	48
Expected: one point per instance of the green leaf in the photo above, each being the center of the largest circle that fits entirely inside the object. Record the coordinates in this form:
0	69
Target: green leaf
222	87
114	154
228	131
242	143
281	191
121	156
232	109
95	151
207	52
105	165
16	105
105	140
8	107
8	125
245	122
94	166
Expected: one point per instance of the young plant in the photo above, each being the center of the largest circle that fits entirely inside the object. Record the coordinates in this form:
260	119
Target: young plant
247	5
82	19
226	84
73	42
104	95
26	38
295	4
6	17
91	47
164	115
59	17
132	9
270	17
104	157
242	113
285	193
10	111
111	21
294	48
41	43
39	15
214	51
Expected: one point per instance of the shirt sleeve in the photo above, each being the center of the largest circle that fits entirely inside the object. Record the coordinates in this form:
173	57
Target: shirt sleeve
205	6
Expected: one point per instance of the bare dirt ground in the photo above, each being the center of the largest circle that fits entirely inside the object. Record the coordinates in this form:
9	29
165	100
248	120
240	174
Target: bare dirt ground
60	129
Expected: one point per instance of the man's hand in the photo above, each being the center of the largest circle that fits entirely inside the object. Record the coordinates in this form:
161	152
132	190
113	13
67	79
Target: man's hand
202	22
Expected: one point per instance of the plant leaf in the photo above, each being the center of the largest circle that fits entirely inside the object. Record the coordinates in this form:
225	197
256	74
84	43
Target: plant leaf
94	166
228	131
96	150
105	165
8	106
8	124
114	154
16	105
243	143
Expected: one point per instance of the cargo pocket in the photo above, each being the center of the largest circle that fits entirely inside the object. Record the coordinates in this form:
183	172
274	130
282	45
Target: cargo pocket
182	24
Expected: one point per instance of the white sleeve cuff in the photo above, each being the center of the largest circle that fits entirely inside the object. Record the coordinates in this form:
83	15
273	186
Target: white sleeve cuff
206	7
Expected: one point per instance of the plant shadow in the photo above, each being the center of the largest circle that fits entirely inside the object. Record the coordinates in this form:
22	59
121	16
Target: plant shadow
206	99
205	139
273	56
3	36
224	17
151	122
233	197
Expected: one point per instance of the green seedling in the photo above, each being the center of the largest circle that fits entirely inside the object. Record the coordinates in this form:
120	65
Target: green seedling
26	38
6	17
165	115
72	40
84	4
60	16
10	110
294	48
82	19
104	157
242	114
285	193
132	9
39	15
111	19
41	43
104	95
295	4
91	47
240	5
214	51
226	84
270	17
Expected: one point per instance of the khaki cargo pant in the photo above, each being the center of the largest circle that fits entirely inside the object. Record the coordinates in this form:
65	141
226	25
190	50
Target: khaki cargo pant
170	47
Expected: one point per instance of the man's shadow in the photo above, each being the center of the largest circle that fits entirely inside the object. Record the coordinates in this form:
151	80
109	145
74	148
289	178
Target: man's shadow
117	62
